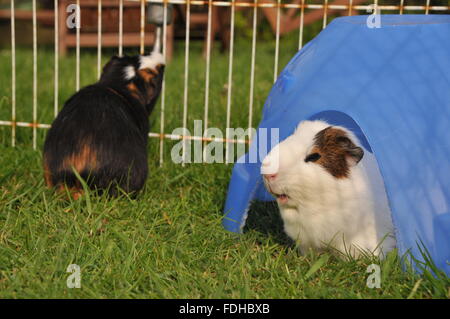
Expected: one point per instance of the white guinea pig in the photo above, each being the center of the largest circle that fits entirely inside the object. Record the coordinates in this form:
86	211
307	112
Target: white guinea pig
329	191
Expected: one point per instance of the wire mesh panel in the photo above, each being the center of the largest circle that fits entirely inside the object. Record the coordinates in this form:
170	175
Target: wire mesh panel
221	89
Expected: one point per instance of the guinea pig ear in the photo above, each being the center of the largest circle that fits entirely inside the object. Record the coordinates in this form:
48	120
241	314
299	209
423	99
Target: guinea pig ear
114	60
111	64
354	153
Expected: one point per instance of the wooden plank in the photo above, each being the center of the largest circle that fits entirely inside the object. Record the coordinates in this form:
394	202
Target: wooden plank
47	15
108	39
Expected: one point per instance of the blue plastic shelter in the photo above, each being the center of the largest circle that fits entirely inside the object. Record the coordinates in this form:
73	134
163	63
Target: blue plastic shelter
391	86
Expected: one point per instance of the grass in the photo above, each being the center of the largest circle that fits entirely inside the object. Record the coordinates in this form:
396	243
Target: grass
168	242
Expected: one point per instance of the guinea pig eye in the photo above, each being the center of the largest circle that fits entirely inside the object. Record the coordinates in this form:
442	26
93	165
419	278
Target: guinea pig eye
312	157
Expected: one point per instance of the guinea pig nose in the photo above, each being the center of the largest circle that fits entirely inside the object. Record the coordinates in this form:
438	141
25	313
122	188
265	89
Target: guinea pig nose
269	167
270	176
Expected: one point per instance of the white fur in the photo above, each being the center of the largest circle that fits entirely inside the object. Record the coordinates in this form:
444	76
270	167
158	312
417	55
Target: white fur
349	214
145	62
129	72
151	61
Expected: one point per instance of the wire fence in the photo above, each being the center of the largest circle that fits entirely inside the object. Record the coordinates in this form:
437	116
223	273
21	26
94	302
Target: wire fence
301	7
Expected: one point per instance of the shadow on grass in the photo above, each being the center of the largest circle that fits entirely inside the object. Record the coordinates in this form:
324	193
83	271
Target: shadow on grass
264	217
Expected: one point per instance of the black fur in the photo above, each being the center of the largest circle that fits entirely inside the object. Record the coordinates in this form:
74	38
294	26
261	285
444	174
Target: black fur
102	131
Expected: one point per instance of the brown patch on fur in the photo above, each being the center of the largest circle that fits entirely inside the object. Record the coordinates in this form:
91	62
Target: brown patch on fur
336	149
132	88
135	92
47	174
84	159
74	192
147	74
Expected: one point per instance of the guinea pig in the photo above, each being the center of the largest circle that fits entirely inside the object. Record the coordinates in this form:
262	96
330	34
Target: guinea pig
102	130
329	191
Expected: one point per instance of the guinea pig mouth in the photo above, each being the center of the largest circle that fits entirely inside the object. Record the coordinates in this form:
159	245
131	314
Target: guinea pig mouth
282	198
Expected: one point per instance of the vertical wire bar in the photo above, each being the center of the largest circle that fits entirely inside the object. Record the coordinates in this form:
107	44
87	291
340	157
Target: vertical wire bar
350	5
427	8
99	38
34	75
208	63
252	70
78	27
186	75
142	27
163	88
302	15
13	75
375	8
55	106
157	42
120	27
277	41
325	9
401	6
230	77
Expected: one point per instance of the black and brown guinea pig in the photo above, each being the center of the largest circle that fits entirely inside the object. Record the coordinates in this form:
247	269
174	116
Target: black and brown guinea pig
102	130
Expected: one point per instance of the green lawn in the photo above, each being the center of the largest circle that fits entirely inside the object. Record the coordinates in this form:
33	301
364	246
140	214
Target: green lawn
168	242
